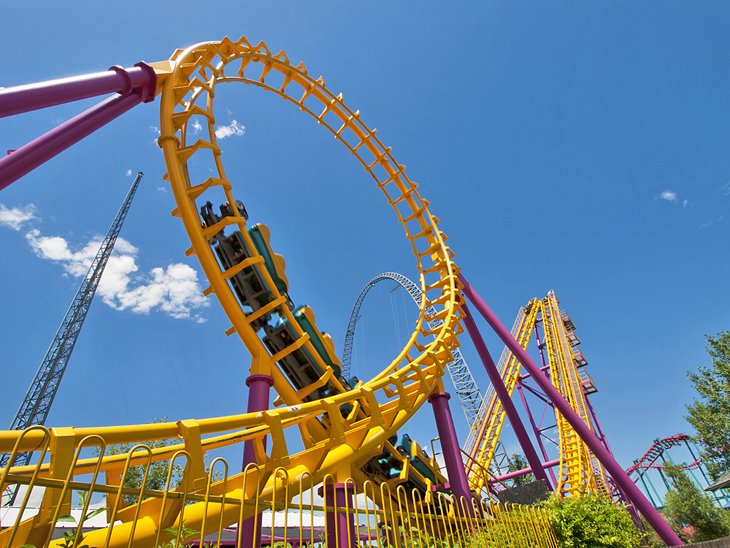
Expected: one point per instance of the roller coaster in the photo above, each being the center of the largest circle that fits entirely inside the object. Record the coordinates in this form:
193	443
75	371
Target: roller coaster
679	449
347	429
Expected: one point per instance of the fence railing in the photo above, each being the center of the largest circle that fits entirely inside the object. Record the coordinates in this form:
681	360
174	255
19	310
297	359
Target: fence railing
151	496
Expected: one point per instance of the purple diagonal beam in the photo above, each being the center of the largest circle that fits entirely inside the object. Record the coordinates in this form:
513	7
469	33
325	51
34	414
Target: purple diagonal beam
634	494
134	86
43	148
507	404
19	99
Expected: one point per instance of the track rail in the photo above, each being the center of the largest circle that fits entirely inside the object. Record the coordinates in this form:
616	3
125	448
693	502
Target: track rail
464	384
579	471
190	81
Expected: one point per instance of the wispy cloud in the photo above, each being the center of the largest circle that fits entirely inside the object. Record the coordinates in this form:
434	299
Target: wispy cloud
162	189
711	222
234	129
726	189
173	289
16	217
156	131
197	126
685	203
128	173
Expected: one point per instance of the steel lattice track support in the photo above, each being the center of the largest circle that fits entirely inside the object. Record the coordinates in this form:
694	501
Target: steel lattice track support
464	384
38	400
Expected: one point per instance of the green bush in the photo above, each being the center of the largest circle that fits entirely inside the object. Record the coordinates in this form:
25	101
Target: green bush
592	521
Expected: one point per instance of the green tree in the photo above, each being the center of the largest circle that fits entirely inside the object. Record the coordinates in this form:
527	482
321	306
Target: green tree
687	505
518	462
592	521
709	414
157	474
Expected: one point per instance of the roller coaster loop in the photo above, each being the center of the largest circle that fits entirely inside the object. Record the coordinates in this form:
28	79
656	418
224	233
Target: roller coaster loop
340	432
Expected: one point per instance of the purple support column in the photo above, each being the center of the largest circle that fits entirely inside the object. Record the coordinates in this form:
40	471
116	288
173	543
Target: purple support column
258	400
19	99
43	148
450	446
340	518
501	390
634	494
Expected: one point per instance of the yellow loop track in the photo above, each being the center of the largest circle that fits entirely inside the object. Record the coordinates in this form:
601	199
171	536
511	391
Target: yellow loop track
334	444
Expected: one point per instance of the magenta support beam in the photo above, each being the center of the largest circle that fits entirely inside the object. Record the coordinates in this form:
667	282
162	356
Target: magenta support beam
259	387
450	446
19	99
507	404
633	493
340	516
43	148
518	473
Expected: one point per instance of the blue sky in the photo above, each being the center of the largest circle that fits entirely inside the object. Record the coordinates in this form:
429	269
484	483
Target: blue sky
576	146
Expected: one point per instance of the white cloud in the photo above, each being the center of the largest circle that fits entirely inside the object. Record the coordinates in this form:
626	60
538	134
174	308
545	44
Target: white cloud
173	290
669	196
128	173
156	131
16	217
197	126
162	189
234	129
711	222
685	203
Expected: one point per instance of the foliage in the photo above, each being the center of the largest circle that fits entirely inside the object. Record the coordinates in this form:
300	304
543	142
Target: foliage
418	539
685	505
186	534
157	474
70	538
518	462
592	521
709	414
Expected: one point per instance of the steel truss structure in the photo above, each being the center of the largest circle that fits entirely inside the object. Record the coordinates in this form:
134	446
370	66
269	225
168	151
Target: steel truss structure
465	386
553	331
38	399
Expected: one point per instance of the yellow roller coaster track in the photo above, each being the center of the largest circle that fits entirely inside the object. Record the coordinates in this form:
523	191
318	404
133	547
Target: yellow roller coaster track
334	444
579	471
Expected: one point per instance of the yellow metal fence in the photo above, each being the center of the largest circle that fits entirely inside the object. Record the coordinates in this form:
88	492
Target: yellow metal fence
102	493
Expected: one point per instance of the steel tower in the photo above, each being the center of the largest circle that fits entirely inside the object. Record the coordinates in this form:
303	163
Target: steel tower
466	387
37	402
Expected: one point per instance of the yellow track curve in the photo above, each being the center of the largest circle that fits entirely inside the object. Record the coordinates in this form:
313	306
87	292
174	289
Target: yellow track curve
334	445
